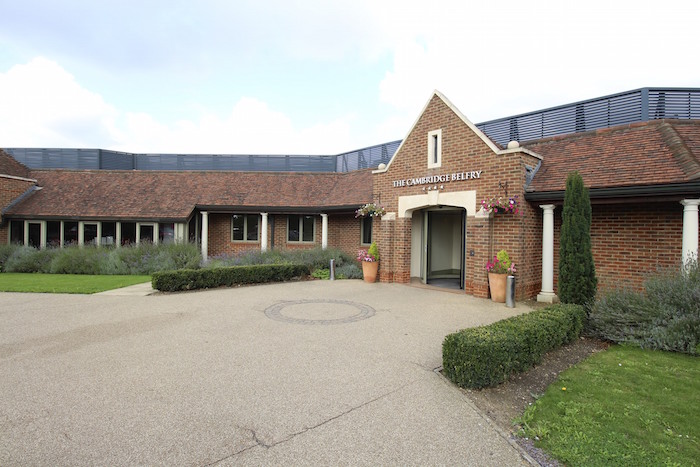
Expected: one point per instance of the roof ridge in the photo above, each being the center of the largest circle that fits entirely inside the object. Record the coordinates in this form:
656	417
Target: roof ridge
686	160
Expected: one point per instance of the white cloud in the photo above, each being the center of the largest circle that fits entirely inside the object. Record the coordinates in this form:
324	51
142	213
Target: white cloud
43	105
495	60
46	107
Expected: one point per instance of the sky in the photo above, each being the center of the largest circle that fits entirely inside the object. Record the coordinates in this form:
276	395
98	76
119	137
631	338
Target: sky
315	77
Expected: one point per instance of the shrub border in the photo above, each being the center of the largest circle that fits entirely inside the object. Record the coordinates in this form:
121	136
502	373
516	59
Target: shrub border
193	279
488	355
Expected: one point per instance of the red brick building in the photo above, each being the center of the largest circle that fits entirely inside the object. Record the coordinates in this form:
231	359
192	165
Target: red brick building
643	177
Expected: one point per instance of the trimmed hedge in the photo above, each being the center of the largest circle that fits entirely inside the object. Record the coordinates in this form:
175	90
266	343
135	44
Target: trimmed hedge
192	279
488	355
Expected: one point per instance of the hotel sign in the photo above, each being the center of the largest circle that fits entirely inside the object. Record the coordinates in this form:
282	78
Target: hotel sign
454	177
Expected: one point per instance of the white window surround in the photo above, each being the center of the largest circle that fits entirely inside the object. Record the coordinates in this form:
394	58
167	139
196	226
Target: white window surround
246	218
434	149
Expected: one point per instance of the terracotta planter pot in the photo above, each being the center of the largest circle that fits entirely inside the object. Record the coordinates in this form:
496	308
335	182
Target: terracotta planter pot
369	271
497	285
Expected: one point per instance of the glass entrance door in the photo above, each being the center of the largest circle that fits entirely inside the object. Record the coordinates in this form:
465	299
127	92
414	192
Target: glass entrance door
443	247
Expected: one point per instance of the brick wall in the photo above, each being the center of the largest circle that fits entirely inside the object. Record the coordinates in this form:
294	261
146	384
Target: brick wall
462	151
630	241
10	189
343	233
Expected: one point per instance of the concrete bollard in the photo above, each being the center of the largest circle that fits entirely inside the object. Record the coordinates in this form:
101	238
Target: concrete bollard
332	269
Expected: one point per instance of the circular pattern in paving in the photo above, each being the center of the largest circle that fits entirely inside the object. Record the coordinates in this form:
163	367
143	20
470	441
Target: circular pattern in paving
320	311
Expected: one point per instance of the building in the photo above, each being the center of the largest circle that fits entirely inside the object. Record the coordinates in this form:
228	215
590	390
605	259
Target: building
638	152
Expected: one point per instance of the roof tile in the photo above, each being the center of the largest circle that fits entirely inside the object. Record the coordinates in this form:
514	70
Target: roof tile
173	195
648	153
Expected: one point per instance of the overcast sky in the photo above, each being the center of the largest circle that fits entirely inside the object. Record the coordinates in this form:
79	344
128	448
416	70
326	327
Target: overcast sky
313	77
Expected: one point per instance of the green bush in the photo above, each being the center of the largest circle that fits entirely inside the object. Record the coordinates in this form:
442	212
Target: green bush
192	279
147	258
323	274
74	260
314	258
488	355
30	259
348	271
6	251
142	259
577	279
666	316
374	251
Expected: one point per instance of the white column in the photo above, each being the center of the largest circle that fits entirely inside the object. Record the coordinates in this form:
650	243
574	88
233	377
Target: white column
205	235
62	236
81	233
138	233
156	233
26	233
263	232
547	294
118	235
690	229
324	231
42	235
99	234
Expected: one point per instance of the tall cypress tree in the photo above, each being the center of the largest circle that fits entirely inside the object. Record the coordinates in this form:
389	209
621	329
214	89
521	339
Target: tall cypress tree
577	279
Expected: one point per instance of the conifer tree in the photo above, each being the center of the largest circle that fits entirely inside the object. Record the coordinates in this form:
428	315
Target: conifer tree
577	279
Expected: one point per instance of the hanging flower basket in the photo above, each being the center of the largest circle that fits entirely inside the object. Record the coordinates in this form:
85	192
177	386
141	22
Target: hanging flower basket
501	205
370	210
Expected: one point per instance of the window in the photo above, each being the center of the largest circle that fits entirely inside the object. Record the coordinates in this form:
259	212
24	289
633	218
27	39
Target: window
244	227
70	233
128	233
34	234
300	228
166	232
89	234
109	233
366	227
17	232
434	149
53	233
145	233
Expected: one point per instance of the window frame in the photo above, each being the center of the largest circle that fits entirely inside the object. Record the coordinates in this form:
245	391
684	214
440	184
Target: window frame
300	226
245	228
364	221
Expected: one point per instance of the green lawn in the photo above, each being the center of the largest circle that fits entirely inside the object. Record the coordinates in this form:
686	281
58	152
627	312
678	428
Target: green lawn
65	283
624	406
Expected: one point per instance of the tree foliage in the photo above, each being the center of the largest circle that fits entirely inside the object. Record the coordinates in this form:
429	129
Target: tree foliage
577	278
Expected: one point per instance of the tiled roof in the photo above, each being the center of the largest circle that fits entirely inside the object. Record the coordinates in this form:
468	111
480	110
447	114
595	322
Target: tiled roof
657	152
9	166
173	195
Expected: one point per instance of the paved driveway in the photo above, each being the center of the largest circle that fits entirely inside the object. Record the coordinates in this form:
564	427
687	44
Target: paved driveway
301	373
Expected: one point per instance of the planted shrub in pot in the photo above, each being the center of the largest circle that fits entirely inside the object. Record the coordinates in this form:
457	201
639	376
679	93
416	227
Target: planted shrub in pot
370	262
498	269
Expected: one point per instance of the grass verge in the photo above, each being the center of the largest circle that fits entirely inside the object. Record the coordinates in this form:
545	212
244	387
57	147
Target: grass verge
65	283
625	406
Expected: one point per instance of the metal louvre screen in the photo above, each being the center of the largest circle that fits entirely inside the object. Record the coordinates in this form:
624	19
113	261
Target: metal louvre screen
369	157
604	112
674	104
35	158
